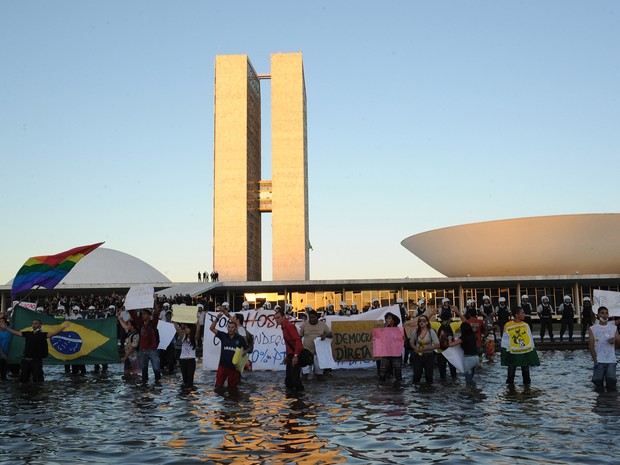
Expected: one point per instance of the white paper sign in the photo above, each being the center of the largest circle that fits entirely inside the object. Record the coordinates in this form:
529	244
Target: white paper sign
324	353
456	357
609	299
166	333
139	297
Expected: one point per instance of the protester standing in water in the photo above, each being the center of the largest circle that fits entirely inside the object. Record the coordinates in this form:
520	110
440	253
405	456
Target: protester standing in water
518	348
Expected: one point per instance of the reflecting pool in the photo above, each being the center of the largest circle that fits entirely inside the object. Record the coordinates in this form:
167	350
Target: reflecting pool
347	417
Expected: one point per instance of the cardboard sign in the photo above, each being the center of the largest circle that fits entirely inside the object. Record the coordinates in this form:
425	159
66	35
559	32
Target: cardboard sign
185	313
388	342
352	340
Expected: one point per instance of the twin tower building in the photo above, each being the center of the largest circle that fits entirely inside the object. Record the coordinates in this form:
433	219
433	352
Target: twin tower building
240	195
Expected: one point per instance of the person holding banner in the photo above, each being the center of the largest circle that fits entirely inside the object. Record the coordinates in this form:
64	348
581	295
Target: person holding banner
231	341
602	339
518	348
294	346
391	364
309	331
468	343
131	345
5	338
35	349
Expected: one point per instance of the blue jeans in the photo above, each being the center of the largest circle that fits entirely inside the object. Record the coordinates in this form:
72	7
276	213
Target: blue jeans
152	355
605	372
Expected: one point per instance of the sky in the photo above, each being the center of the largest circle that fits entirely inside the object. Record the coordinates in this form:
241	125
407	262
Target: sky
420	115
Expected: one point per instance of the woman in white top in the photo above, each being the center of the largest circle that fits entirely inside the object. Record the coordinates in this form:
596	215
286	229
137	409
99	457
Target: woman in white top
187	360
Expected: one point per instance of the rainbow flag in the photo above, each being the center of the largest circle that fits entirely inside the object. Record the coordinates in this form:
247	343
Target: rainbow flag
48	271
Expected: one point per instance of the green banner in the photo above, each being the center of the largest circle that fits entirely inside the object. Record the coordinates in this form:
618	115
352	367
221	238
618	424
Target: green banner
82	342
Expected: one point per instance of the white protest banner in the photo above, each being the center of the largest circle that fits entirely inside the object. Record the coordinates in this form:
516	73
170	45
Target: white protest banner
376	314
139	297
185	313
609	299
269	348
166	333
456	357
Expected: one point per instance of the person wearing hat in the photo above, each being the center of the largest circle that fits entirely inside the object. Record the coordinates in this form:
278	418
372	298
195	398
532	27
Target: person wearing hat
375	304
528	309
391	365
502	311
545	313
421	307
587	317
567	321
330	310
344	310
354	309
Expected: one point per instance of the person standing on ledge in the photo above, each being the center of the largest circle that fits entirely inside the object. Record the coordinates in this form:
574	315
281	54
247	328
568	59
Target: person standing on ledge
518	348
587	317
602	339
35	349
568	313
545	313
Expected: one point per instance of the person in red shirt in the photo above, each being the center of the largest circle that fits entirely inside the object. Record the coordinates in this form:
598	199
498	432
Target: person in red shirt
294	346
149	336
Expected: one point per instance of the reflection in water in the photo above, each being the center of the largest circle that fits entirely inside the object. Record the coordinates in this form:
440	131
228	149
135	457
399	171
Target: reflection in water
348	417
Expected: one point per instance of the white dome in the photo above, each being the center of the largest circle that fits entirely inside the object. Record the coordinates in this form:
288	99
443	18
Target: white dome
109	266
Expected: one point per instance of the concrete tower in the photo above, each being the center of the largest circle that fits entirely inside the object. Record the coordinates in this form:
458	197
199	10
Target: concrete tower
240	196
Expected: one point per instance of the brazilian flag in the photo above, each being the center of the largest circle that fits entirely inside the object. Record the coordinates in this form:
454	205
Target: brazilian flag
83	342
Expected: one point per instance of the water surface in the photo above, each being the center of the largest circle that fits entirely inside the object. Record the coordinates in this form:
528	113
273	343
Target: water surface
346	418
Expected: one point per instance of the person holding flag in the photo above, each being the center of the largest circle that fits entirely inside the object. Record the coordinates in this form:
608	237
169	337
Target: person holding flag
35	349
518	348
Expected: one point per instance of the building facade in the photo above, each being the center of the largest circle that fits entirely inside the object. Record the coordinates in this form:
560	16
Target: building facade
240	195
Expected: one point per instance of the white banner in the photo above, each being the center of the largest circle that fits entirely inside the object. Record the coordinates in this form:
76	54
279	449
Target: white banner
269	347
609	299
139	297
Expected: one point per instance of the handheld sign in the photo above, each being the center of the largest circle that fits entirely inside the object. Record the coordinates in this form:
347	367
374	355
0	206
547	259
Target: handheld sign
139	297
185	313
388	342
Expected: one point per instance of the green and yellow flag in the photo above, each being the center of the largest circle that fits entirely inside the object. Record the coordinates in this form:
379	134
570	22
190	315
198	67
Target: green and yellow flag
82	342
